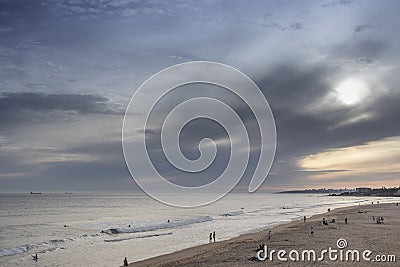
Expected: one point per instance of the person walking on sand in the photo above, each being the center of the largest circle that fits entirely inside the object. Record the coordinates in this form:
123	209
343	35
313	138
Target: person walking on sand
312	231
269	235
213	236
345	220
125	262
305	218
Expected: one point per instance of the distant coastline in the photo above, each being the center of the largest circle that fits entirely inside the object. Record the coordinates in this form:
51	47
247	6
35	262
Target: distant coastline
360	191
316	191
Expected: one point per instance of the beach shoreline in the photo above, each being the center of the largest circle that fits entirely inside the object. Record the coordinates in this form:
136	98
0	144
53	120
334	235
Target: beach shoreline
241	250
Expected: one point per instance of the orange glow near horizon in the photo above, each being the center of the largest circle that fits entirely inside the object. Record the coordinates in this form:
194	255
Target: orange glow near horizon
373	164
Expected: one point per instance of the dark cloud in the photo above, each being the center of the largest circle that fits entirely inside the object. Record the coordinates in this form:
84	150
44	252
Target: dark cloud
281	27
337	3
360	28
365	61
296	26
26	107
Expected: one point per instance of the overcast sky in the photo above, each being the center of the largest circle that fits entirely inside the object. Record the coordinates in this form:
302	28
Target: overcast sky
329	70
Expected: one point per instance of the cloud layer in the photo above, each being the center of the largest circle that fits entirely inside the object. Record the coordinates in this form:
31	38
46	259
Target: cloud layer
69	68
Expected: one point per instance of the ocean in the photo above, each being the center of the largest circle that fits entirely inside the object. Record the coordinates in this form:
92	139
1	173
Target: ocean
83	229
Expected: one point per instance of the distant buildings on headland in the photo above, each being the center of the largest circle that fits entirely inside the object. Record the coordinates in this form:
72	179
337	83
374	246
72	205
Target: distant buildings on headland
362	190
359	191
379	192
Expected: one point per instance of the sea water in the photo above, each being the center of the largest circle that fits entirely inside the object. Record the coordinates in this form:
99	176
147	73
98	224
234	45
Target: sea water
83	229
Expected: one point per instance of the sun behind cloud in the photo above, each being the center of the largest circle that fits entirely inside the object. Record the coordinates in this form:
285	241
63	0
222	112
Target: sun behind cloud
351	91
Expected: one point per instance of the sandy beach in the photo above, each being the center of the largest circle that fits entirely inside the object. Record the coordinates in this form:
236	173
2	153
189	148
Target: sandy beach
361	233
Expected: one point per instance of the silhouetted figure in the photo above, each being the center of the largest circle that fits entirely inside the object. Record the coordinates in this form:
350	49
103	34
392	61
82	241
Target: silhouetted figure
305	218
312	231
214	236
35	257
125	262
211	237
168	221
345	220
129	226
269	235
329	210
333	221
397	204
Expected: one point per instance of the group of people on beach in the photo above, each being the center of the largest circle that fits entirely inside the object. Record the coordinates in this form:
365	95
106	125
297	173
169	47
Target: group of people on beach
325	222
379	220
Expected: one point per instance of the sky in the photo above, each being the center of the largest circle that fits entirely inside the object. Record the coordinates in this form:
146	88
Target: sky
329	70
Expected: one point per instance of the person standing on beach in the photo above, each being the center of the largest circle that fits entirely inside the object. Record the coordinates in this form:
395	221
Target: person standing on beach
211	237
345	220
312	231
214	236
269	235
125	262
305	218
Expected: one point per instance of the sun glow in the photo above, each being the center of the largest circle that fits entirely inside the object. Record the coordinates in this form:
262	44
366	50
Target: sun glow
351	91
375	157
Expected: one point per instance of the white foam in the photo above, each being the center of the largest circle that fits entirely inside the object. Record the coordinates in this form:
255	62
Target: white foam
11	251
160	225
233	213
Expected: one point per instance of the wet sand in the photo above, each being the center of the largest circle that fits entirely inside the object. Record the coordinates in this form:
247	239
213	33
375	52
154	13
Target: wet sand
361	233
